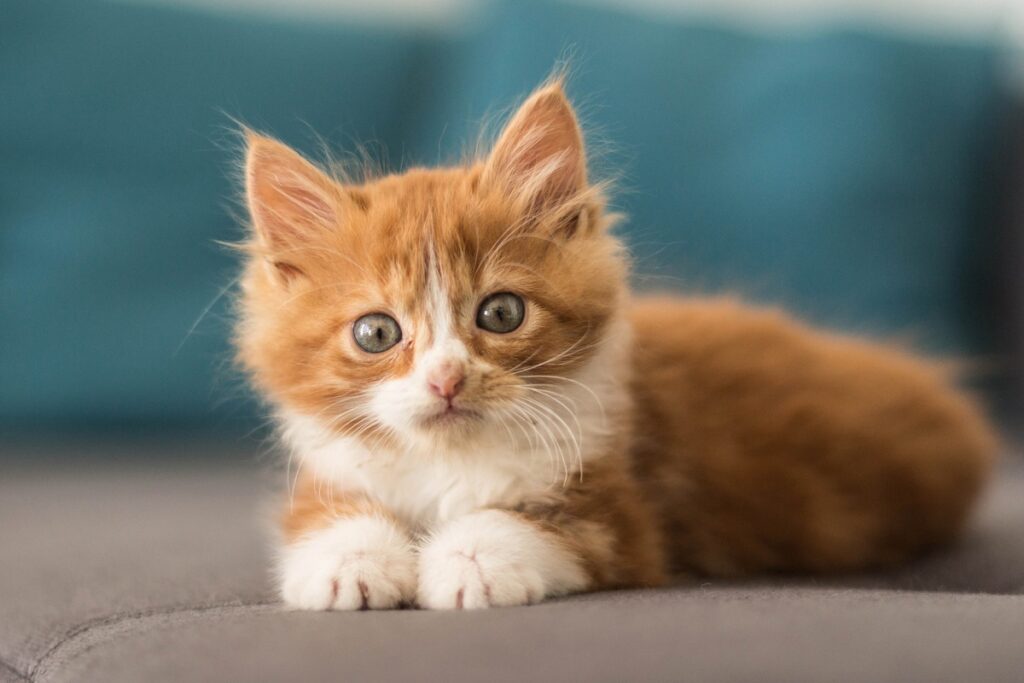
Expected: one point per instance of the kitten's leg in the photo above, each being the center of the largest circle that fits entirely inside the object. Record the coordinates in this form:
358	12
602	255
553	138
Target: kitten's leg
594	534
344	551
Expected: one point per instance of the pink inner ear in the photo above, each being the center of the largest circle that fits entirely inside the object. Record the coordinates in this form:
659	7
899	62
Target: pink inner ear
288	197
540	154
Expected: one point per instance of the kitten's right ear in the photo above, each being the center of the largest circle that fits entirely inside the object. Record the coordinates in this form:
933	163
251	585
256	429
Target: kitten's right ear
289	199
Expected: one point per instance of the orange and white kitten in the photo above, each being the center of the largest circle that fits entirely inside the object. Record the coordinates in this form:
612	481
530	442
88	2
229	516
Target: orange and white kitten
483	415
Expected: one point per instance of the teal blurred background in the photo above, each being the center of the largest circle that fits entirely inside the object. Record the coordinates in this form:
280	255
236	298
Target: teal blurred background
864	173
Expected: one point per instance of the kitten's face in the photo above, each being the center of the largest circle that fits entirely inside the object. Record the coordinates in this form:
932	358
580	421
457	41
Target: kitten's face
434	308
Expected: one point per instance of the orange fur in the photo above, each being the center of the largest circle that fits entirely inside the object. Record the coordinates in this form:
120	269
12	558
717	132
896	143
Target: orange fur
311	507
770	446
737	440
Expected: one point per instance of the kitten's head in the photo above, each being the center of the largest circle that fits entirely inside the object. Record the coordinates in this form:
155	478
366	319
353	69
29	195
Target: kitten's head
435	307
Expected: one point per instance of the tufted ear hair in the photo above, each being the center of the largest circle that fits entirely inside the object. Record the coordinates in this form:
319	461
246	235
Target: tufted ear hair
539	156
289	199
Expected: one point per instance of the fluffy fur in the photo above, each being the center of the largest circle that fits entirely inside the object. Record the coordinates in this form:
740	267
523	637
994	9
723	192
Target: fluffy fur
608	441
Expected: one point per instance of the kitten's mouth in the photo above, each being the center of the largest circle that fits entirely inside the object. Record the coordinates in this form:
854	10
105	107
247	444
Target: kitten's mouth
450	415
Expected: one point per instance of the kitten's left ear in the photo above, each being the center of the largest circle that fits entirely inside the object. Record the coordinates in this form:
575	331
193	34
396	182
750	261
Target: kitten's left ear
539	157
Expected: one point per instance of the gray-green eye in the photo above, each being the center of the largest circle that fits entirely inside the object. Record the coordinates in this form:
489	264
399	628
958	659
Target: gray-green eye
501	313
376	332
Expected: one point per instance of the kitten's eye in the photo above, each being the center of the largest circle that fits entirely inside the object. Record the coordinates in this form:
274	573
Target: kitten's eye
376	332
501	313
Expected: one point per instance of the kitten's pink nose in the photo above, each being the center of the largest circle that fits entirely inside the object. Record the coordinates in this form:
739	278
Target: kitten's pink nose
446	379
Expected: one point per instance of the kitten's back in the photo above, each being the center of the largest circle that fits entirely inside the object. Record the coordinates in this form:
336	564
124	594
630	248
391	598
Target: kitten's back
775	447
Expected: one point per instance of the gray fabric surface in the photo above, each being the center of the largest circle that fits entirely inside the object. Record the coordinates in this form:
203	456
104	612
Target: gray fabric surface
152	565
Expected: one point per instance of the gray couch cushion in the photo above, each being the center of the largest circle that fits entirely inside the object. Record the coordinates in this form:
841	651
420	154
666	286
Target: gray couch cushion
133	568
711	634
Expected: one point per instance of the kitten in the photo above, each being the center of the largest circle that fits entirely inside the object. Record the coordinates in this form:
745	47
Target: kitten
482	415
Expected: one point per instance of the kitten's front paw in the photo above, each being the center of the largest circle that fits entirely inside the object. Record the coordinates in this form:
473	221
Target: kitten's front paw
476	580
357	563
491	559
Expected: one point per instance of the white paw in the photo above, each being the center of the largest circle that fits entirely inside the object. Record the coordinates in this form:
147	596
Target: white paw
491	559
357	563
477	580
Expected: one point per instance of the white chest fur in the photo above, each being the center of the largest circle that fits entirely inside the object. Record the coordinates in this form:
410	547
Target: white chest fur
427	489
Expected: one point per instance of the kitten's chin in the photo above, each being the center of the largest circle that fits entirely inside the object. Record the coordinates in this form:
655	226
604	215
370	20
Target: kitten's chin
451	426
450	418
450	429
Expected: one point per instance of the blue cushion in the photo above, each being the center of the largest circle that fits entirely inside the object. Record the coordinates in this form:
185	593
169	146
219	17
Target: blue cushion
118	154
840	172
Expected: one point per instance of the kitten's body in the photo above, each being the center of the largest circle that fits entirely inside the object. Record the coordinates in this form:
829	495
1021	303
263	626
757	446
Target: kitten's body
792	449
602	442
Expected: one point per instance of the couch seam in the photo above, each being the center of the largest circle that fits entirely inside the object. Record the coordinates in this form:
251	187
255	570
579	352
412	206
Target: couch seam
12	669
81	630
